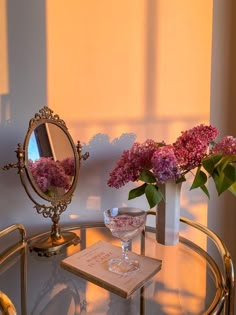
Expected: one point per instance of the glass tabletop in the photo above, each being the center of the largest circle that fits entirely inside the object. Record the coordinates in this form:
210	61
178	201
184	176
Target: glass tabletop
186	283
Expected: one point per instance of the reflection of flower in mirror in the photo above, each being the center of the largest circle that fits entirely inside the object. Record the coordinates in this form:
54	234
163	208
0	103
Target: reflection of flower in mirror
69	166
49	174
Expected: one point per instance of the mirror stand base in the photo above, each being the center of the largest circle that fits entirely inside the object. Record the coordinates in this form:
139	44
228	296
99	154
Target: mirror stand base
49	246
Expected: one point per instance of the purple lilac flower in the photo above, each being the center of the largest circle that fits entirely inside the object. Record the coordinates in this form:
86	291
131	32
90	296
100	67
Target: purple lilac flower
191	147
42	182
164	164
131	163
69	166
226	146
165	161
46	172
59	177
40	170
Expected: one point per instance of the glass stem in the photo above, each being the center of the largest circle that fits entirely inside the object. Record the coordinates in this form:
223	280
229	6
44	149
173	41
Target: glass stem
125	247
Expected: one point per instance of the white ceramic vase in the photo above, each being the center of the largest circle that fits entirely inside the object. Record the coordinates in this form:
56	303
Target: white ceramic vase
168	214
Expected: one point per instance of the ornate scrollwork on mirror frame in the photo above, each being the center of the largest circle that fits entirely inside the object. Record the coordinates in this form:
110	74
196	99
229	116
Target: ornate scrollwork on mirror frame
48	165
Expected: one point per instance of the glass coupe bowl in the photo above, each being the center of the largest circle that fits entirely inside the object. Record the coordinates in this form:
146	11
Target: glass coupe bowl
124	223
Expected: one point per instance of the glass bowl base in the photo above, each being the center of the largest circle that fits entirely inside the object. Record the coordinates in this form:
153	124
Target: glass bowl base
123	267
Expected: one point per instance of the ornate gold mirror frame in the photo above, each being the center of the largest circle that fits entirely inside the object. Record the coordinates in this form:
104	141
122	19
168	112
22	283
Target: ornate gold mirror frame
51	174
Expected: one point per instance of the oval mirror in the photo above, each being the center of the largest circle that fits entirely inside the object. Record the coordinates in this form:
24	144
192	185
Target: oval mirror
50	160
48	164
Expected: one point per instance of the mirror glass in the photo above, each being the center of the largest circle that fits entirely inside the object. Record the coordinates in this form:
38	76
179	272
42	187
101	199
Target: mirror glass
50	161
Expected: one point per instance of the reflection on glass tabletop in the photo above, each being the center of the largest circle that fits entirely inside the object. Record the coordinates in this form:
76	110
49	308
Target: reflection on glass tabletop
184	285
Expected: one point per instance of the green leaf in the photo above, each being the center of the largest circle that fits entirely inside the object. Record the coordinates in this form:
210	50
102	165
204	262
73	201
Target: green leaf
147	176
211	162
232	189
222	183
153	195
205	190
224	163
199	180
137	192
230	173
181	180
224	175
221	170
227	159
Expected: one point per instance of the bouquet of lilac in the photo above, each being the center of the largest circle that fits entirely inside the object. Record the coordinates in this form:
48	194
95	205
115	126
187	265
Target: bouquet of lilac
156	163
49	174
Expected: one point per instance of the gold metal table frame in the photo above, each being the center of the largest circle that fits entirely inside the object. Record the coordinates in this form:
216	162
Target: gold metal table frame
19	247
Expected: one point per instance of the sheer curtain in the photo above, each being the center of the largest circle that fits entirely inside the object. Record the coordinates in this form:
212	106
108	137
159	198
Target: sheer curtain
222	211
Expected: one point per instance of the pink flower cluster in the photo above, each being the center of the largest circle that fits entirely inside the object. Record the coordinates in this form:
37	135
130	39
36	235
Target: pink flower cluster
226	146
170	161
48	173
165	164
191	147
69	166
131	163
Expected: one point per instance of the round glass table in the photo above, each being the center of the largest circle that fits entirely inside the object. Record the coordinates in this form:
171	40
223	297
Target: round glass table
189	281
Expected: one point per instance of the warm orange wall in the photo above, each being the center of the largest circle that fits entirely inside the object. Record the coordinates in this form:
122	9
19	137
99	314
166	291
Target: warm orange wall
128	66
95	58
184	31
